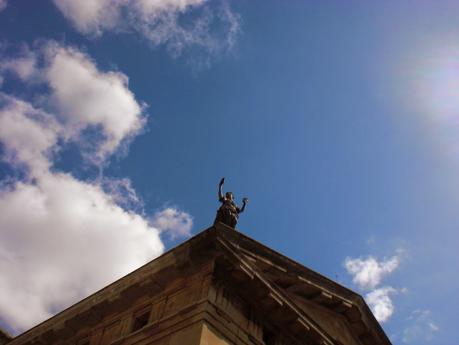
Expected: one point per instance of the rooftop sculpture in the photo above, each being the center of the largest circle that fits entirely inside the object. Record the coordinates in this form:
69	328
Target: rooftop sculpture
228	213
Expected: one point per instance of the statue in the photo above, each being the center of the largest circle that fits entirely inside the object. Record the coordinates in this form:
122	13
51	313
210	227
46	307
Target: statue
228	213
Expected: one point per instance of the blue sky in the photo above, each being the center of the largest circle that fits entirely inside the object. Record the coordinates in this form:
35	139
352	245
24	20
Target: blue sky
337	119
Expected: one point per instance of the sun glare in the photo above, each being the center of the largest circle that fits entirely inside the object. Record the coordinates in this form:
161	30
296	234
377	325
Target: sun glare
437	84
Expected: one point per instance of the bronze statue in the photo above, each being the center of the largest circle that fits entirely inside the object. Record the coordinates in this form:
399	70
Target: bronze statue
228	213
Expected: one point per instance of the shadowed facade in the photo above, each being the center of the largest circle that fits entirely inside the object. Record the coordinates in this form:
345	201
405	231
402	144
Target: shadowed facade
218	288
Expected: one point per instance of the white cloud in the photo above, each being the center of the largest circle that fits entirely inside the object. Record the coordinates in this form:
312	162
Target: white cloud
380	302
3	4
62	238
28	134
368	273
85	97
422	327
159	21
91	17
173	222
23	66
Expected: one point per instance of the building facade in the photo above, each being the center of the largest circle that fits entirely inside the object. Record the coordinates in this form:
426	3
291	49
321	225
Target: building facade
218	288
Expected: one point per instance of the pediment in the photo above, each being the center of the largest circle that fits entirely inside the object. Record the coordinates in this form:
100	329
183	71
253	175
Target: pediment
340	315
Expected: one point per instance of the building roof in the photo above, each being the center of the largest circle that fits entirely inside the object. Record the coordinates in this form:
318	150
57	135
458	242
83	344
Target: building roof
288	292
4	336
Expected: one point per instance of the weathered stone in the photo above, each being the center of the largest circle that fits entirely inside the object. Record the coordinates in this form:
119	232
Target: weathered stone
218	288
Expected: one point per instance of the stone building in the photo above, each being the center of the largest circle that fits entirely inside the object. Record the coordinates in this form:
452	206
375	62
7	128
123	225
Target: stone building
218	288
4	337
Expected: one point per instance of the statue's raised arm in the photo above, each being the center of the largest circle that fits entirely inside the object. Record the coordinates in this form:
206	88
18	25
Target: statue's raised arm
220	190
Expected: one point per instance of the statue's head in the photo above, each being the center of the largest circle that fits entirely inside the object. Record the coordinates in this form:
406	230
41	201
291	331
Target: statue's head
229	196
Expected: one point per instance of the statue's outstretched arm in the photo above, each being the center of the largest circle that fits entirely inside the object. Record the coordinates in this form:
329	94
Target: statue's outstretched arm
244	202
220	187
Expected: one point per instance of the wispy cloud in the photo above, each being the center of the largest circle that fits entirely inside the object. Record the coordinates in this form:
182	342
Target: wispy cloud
421	327
212	27
23	66
3	4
